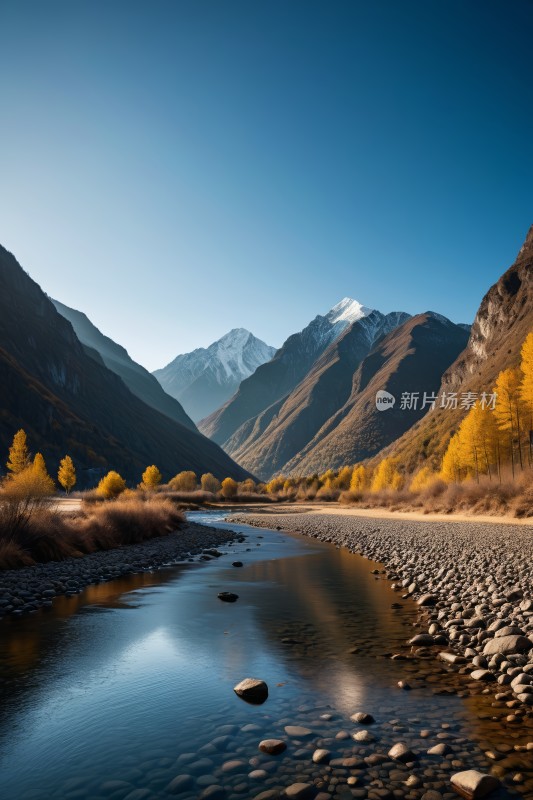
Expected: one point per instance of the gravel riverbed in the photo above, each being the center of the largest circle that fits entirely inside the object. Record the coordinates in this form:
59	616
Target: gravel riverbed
28	589
472	581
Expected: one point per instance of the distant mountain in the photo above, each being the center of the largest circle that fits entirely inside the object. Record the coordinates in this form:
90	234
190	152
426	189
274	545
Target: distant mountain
69	402
504	319
409	360
206	378
266	443
116	358
277	378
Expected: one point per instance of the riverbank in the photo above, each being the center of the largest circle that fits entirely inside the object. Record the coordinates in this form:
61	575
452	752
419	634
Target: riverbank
30	588
472	582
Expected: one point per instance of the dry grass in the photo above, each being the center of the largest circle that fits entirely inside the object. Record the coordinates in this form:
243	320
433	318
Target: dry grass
512	497
44	535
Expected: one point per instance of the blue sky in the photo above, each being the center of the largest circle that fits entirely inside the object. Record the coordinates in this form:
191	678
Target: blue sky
176	168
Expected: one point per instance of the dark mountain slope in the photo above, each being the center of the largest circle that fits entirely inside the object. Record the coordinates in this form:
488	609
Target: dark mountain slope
138	380
68	402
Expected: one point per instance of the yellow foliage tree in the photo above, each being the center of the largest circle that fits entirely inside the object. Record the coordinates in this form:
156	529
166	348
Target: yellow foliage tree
421	479
66	474
111	485
275	485
247	486
343	479
209	483
478	442
360	479
526	386
42	478
387	476
151	478
185	481
508	409
19	457
229	488
327	478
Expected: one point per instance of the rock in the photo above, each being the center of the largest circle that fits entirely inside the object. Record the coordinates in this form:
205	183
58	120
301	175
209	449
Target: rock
228	597
404	685
483	675
441	749
234	766
427	600
507	644
237	564
363	736
422	639
300	791
361	716
452	658
472	784
180	784
298	731
252	690
321	756
400	752
214	792
272	746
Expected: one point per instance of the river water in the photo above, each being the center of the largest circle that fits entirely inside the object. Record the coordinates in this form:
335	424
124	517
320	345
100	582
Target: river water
118	690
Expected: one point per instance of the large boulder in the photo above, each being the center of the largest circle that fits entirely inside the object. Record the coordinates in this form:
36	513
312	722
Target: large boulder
252	690
472	784
505	645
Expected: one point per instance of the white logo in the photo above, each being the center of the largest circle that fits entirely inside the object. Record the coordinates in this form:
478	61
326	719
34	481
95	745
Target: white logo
384	400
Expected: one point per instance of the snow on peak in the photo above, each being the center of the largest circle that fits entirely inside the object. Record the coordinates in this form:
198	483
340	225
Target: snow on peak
347	311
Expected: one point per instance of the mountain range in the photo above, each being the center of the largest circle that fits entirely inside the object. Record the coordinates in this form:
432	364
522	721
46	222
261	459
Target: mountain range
204	379
68	401
306	407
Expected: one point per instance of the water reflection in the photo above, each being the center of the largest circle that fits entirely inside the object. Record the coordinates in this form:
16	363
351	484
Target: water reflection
141	670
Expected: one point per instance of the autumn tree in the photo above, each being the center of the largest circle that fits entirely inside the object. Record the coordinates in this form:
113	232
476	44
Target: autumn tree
111	485
421	479
526	387
66	474
275	485
229	488
42	478
151	478
451	461
343	479
387	476
360	478
508	410
185	481
247	486
19	457
209	483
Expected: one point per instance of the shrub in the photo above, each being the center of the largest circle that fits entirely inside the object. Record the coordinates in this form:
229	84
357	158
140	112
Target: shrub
229	488
111	485
151	478
185	481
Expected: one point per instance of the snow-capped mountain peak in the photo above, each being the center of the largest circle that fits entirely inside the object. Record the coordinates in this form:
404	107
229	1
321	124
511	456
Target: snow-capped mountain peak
207	377
348	311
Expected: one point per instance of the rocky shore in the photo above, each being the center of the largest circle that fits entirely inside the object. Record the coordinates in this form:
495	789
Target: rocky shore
28	589
472	581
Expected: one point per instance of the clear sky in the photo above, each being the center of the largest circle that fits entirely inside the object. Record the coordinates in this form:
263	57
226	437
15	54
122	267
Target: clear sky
176	168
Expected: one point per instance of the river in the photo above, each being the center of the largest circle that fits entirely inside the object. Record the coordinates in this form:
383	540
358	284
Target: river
118	690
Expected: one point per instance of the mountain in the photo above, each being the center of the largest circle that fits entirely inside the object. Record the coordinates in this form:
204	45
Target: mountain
116	358
409	359
277	435
69	402
275	379
206	378
503	320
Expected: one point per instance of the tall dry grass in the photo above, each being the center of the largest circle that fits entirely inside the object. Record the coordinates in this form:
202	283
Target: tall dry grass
512	497
46	535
